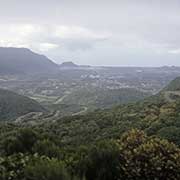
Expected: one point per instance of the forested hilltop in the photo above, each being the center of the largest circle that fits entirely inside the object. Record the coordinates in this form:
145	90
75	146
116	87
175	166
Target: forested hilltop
134	141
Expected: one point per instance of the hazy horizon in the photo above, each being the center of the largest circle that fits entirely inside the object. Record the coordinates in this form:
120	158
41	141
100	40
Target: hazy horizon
98	33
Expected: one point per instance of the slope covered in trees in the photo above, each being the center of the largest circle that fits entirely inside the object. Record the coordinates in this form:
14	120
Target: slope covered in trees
155	115
133	141
94	98
174	85
13	105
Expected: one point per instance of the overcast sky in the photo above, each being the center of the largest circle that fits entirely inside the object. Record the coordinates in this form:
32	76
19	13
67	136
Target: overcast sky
95	32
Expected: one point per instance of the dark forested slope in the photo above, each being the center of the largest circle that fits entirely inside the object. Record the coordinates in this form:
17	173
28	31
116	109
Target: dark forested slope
13	105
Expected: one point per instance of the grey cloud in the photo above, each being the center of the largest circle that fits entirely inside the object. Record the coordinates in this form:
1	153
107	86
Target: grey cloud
104	32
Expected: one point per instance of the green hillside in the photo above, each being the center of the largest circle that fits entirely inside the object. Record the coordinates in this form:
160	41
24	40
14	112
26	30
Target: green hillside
171	93
13	105
156	115
125	142
174	85
94	98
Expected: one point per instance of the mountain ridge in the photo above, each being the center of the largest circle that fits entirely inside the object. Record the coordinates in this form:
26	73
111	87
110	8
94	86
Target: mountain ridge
24	61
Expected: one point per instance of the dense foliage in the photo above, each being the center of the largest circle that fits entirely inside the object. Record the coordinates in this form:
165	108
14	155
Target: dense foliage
134	155
155	116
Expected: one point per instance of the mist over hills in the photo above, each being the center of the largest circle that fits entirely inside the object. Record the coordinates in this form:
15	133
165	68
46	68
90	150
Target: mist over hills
97	95
73	124
24	61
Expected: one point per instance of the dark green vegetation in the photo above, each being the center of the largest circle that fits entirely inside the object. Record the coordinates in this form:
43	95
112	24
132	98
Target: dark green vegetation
154	115
13	105
135	141
32	155
24	61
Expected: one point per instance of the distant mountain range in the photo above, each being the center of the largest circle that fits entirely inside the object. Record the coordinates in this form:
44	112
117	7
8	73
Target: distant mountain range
71	65
68	64
13	105
24	61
